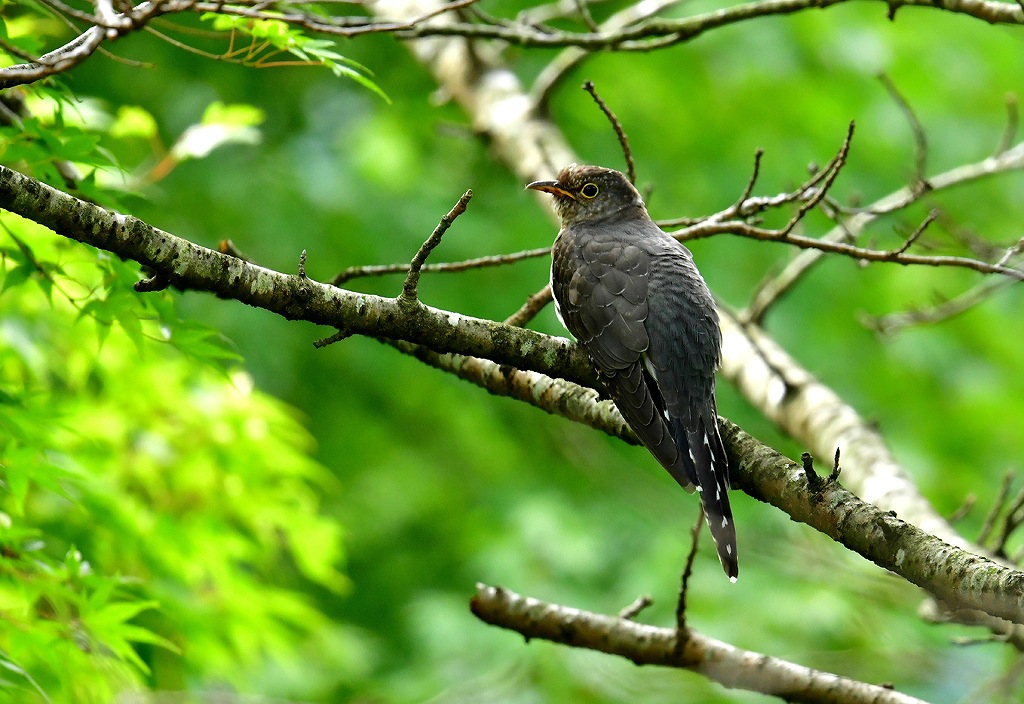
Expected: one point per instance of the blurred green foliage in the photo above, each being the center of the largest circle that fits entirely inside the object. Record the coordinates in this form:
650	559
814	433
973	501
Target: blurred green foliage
171	522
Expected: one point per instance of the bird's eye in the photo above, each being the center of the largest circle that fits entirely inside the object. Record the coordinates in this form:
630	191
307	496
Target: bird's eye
589	191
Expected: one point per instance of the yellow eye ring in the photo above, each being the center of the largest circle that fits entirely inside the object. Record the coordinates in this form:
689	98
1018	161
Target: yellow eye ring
589	191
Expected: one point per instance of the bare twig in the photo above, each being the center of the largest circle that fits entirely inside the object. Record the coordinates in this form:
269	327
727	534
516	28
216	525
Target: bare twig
633	610
617	126
739	204
848	250
657	33
412	280
1012	520
848	229
831	173
964	510
584	11
684	582
1002	496
920	141
533	305
896	322
747	207
330	340
1012	120
638	36
356	272
918	231
812	197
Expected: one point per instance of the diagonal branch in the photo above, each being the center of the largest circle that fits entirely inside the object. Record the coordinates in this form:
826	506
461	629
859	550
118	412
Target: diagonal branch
188	266
952	575
770	379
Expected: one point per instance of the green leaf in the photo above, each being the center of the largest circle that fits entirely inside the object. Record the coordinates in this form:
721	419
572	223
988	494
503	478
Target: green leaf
133	121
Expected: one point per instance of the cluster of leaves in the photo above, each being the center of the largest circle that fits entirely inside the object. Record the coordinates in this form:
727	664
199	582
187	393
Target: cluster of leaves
160	518
270	38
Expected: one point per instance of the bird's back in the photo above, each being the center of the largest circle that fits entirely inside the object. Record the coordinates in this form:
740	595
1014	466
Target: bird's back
635	301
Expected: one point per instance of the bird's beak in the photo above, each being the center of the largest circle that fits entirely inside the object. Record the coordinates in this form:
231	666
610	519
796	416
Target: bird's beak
551	187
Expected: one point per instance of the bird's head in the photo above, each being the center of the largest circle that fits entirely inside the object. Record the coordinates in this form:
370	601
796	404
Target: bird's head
589	193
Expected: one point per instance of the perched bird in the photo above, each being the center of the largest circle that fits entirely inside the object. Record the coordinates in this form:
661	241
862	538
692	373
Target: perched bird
632	297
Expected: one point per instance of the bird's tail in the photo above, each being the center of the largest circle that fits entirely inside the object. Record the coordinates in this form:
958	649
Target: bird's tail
712	470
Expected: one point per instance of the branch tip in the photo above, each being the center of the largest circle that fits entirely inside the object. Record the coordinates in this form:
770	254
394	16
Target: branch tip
336	337
157	282
617	126
410	293
633	610
684	582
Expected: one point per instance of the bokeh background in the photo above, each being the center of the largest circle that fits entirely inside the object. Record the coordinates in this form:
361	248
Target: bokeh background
425	485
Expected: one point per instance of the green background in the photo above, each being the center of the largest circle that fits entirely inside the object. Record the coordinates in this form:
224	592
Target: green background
438	485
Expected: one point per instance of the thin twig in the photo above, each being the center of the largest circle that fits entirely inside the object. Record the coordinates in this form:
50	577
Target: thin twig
831	172
920	140
751	182
588	19
846	230
617	126
412	280
964	510
862	253
1013	518
336	337
1012	120
633	610
529	310
916	233
893	323
356	272
684	582
997	506
658	33
752	206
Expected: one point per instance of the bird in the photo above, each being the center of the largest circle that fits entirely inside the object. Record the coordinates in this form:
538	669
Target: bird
634	300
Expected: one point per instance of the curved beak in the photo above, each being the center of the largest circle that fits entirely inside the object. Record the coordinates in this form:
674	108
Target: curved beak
551	187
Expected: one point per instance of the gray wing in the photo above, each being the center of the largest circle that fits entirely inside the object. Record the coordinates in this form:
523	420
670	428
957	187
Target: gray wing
684	352
601	288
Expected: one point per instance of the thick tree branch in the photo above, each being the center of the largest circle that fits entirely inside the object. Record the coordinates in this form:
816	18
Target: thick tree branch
952	575
649	645
808	410
185	265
